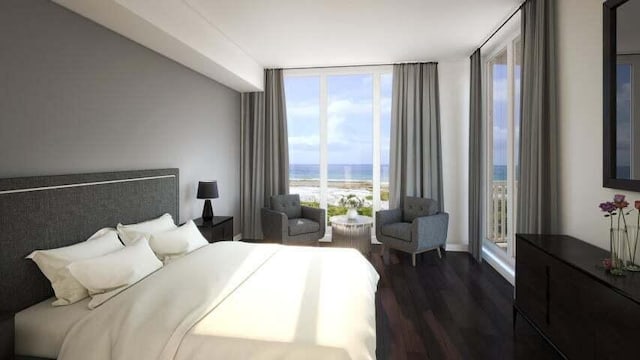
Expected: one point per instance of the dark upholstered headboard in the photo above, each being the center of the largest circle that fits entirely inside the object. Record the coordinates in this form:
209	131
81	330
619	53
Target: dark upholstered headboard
52	211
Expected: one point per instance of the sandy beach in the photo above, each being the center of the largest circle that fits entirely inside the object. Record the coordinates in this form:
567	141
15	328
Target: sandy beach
309	190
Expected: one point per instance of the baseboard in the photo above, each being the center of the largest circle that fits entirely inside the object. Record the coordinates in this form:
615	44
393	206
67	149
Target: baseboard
457	247
502	267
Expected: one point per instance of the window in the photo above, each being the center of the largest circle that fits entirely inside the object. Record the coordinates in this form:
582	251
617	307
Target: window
502	68
338	126
303	125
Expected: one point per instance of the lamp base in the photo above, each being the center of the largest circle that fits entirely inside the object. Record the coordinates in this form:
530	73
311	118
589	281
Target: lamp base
207	211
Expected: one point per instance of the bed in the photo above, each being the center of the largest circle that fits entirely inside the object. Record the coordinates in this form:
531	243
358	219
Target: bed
227	300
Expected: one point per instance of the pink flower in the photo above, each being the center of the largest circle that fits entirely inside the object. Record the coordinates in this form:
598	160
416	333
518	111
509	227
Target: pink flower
606	263
637	204
622	204
618	198
607	207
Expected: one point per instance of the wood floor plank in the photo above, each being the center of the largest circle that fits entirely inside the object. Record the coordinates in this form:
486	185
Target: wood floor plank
449	308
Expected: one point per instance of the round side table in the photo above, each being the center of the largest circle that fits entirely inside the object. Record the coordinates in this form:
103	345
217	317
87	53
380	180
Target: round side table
353	233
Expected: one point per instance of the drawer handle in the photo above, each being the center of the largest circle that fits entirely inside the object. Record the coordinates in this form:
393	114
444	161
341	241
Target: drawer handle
548	294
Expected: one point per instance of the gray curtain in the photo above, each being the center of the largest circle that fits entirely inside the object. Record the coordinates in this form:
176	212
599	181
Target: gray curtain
538	178
416	161
264	168
475	157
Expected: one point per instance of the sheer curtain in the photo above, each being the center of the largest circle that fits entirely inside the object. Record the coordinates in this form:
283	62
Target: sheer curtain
264	168
416	159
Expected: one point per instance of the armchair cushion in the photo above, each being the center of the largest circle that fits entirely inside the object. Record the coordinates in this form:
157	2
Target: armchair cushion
288	204
415	207
302	226
401	231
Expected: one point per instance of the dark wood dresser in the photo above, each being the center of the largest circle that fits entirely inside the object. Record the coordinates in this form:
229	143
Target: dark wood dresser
584	312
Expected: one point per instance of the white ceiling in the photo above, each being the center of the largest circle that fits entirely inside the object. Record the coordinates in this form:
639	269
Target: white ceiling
301	33
231	41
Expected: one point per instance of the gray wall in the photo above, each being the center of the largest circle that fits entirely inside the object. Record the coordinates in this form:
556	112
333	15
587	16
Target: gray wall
76	97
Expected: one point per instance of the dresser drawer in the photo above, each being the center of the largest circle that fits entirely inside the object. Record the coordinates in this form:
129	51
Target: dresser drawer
571	322
616	324
532	267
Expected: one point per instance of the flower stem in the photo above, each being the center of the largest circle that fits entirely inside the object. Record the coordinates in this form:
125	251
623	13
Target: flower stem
626	233
635	242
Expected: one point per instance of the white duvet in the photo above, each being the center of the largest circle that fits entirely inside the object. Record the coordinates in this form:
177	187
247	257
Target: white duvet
233	300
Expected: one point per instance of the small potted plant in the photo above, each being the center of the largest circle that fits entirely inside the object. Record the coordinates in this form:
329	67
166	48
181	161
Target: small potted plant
352	203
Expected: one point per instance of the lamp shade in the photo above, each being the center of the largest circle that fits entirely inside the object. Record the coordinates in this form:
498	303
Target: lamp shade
208	190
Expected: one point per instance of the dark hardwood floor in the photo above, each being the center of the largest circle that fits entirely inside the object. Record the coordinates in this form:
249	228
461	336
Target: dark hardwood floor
449	308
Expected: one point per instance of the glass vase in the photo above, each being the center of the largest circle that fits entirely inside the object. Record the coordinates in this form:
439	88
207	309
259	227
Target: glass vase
618	244
352	213
631	249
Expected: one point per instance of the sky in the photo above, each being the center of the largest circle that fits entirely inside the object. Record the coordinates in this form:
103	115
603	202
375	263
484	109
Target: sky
500	126
500	109
350	118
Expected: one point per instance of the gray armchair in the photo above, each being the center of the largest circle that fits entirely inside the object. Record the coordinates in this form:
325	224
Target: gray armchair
287	221
416	228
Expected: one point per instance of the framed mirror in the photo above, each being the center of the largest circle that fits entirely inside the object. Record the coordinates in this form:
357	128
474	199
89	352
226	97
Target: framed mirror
621	48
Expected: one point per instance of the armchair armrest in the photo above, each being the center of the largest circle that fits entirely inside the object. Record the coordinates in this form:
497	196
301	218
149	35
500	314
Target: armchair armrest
316	214
384	217
274	225
431	231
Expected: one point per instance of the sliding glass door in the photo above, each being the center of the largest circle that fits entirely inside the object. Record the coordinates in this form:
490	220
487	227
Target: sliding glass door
502	68
339	124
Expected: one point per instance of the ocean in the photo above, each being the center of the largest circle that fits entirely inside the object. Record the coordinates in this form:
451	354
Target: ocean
359	172
354	172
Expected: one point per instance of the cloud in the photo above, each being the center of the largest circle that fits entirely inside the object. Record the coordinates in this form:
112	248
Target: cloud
349	107
385	105
349	123
304	140
499	91
302	109
500	145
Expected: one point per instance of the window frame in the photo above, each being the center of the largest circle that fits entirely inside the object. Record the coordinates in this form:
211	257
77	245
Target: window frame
376	71
506	43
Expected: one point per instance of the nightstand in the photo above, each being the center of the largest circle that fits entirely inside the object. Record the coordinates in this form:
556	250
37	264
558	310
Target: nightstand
220	228
7	329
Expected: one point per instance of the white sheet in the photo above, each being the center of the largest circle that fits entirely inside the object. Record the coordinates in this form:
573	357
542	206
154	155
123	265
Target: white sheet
41	328
304	303
232	300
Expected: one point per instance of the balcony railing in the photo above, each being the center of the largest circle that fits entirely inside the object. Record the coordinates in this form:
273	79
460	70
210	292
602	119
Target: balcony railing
497	230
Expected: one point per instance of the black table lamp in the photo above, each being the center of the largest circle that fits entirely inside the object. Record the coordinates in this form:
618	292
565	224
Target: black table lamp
207	190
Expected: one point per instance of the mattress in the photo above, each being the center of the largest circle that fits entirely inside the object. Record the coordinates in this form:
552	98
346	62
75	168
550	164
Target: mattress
41	328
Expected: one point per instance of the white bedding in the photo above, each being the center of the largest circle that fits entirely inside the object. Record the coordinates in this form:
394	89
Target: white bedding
233	300
41	328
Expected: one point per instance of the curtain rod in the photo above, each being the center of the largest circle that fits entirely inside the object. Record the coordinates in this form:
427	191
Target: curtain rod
501	26
351	66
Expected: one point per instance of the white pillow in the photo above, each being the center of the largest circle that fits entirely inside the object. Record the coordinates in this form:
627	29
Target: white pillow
130	233
174	243
102	232
108	275
53	264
